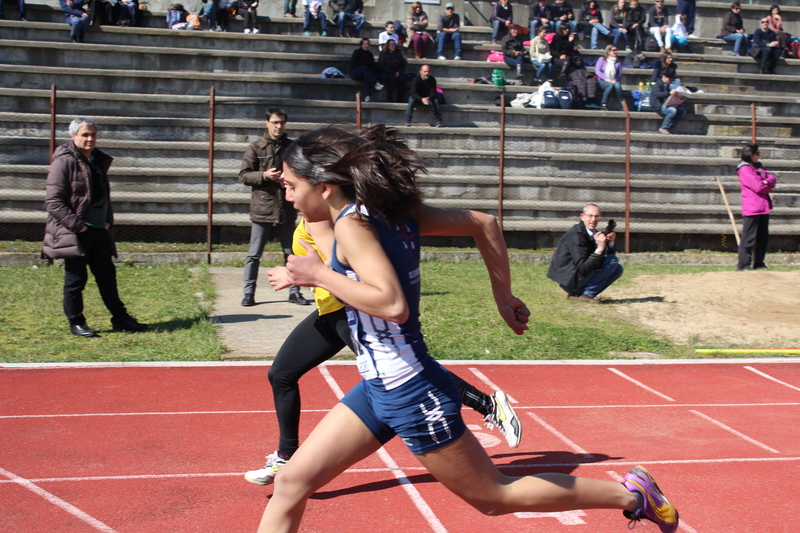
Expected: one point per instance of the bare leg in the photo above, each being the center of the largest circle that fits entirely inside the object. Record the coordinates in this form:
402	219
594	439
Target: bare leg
340	440
465	469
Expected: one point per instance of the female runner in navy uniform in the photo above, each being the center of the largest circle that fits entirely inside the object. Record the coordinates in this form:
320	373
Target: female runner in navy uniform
365	183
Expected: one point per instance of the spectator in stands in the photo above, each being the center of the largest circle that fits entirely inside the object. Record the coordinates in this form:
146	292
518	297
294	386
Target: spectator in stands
249	12
617	25
448	30
539	15
776	25
387	34
502	16
350	10
513	48
392	71
363	68
680	39
290	8
262	169
666	66
76	17
417	23
102	12
635	21
658	25
585	262
78	203
313	11
129	13
756	206
660	94
423	91
210	14
176	17
223	11
591	20
562	13
23	14
733	30
609	74
563	49
768	47
540	54
688	8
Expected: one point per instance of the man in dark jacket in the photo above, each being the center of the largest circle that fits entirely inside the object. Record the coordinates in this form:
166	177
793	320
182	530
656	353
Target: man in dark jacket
345	10
767	42
262	169
539	15
78	202
423	91
585	262
562	13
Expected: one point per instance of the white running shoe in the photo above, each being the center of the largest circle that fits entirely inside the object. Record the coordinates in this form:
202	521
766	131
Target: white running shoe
441	58
506	420
266	475
378	86
256	30
457	58
367	99
247	30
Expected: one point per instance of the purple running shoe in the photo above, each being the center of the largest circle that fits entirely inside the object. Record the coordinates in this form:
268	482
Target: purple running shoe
655	506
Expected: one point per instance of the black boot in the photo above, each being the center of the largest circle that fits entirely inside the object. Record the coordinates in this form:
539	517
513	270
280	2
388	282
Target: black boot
295	297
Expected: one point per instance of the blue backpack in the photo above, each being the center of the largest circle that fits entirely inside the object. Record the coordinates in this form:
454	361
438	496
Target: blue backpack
565	98
550	100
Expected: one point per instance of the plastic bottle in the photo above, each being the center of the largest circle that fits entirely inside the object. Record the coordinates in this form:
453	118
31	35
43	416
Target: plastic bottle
641	86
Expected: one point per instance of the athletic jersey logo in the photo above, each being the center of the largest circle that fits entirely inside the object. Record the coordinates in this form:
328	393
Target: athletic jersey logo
407	235
435	416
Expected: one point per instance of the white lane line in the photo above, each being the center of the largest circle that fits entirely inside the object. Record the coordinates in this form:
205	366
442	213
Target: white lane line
561	436
681	522
412	492
58	502
489	383
731	430
762	374
640	384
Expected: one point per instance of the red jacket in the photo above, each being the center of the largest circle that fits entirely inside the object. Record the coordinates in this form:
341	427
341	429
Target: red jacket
756	186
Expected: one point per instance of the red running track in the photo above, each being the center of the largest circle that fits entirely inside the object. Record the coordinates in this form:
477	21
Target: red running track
162	448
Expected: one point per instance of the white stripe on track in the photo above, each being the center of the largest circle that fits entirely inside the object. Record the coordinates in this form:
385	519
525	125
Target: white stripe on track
731	430
640	384
58	502
412	492
561	436
762	374
681	522
489	383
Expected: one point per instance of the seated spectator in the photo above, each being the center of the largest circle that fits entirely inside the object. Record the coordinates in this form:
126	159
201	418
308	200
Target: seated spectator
128	13
591	20
562	13
417	23
617	25
363	68
660	94
514	50
349	10
210	14
392	71
502	16
635	24
249	11
585	262
76	17
666	66
733	30
658	25
541	57
776	25
313	11
768	47
539	15
387	34
423	91
223	12
448	30
609	73
680	36
23	14
563	50
176	18
103	12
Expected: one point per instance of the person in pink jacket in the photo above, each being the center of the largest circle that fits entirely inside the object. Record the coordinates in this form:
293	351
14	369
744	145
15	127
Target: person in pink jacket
756	206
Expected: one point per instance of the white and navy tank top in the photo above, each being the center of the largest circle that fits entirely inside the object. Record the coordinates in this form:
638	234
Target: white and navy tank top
389	354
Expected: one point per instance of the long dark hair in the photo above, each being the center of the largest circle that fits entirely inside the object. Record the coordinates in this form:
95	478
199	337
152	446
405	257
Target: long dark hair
748	151
373	167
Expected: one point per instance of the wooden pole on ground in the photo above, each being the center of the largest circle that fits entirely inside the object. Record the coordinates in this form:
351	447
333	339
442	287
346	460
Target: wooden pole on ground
728	206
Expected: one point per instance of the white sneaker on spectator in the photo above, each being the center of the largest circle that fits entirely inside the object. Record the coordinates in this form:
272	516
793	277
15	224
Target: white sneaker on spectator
367	99
247	30
664	130
378	86
441	58
256	30
456	58
693	36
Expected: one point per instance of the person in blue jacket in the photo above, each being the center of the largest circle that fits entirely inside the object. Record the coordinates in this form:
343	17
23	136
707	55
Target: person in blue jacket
76	17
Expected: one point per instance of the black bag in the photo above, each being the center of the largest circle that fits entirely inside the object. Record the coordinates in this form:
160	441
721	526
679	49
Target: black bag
650	44
755	51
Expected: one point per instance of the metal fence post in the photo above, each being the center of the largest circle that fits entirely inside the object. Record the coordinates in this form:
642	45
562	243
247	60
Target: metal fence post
358	109
502	158
754	127
210	173
627	176
52	121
